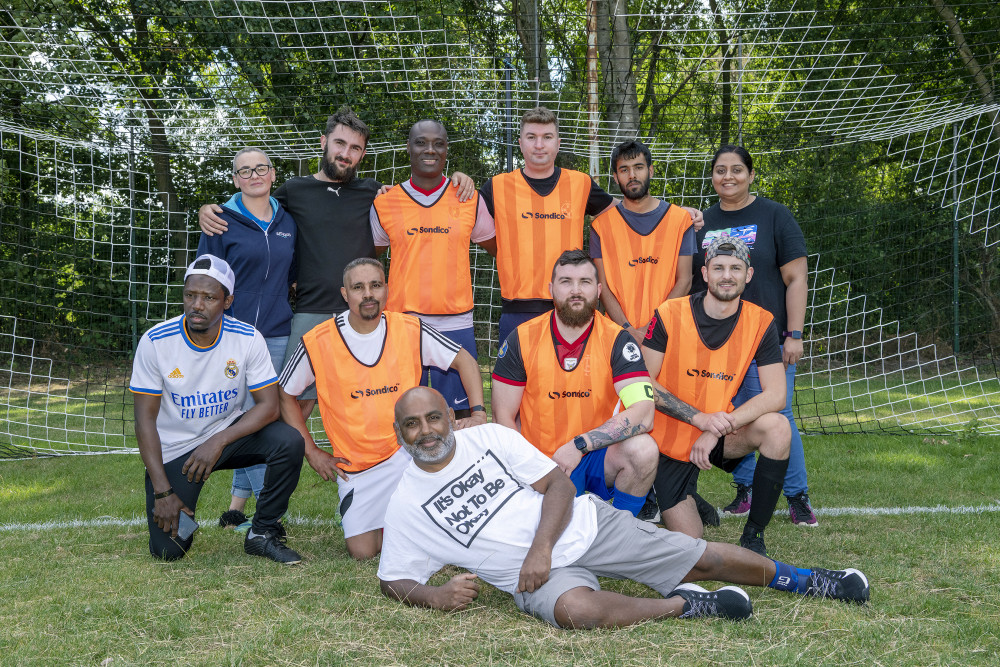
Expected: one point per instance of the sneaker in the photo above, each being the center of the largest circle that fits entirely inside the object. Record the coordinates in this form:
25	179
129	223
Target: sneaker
232	518
709	515
650	510
270	546
245	526
741	503
801	511
729	602
754	542
849	585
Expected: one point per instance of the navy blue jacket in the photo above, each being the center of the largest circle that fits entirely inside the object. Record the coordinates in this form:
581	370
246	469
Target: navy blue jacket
264	265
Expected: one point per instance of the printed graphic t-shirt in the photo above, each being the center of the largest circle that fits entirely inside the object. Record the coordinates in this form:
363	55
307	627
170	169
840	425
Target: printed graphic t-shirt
478	513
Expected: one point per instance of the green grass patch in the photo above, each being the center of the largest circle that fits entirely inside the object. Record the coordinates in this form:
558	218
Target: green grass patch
82	596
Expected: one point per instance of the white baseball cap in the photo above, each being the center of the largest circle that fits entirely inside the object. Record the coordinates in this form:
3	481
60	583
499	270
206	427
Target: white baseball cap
217	268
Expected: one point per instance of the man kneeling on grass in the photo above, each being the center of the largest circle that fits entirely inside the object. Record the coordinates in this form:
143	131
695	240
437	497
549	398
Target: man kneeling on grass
190	380
486	500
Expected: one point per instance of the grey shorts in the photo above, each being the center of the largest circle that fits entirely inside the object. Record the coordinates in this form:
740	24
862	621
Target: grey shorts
625	548
302	323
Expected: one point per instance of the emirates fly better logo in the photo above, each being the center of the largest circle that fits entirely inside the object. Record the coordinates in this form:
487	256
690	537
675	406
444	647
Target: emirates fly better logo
375	391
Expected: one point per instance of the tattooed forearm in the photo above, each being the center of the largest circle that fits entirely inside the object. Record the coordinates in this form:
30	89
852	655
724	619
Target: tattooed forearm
614	430
674	407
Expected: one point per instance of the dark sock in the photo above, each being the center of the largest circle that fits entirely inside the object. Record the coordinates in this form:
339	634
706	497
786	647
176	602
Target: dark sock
627	502
768	478
789	578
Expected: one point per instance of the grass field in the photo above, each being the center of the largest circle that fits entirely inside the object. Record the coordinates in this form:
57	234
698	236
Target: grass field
89	594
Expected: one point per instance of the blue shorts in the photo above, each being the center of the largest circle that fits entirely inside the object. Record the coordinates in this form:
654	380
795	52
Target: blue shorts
450	383
589	475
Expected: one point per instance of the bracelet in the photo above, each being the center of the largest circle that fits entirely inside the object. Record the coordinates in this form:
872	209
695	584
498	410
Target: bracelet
478	408
160	496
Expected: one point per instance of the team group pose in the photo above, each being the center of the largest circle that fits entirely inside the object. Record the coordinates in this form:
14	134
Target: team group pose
595	413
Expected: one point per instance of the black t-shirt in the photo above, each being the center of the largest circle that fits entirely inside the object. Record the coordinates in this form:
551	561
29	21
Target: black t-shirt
333	229
775	239
714	333
597	199
625	358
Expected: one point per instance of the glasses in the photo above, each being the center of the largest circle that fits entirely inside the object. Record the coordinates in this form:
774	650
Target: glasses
260	170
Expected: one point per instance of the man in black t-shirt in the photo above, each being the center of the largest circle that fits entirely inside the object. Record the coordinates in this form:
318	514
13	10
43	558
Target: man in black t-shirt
330	209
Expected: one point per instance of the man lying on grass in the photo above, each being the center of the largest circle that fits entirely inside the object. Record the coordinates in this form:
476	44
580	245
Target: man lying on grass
190	380
486	500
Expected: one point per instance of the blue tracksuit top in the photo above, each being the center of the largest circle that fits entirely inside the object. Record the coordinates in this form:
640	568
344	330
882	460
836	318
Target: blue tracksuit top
263	262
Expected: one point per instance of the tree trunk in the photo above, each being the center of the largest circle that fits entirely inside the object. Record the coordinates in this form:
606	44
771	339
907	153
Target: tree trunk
625	109
526	23
968	58
726	120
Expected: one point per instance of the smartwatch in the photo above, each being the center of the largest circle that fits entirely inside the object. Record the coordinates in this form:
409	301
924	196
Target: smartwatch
580	443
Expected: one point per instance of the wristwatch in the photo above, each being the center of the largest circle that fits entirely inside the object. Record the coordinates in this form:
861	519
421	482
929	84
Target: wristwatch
795	335
160	496
580	443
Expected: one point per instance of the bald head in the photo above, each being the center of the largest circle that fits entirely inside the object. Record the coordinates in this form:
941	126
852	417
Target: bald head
418	396
425	428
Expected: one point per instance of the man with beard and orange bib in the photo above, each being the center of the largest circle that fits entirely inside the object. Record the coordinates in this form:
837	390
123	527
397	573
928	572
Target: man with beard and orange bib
558	379
698	349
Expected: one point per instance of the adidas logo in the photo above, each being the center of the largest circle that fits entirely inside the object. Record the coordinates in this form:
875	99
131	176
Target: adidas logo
176	374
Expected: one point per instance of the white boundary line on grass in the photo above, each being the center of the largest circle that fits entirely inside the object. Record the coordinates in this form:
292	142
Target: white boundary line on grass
314	521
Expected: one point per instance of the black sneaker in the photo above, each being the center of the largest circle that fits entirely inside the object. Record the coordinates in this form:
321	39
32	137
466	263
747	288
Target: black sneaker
754	542
709	515
741	503
801	511
232	518
849	585
650	510
729	602
270	546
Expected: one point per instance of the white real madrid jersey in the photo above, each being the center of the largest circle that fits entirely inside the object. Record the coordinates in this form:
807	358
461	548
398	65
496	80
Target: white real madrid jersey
201	389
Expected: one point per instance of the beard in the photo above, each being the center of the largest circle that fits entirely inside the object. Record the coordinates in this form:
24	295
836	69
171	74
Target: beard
337	172
436	454
575	317
723	296
639	194
372	316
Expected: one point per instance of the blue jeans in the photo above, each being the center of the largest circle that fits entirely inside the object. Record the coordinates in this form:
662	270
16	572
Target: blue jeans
795	477
251	480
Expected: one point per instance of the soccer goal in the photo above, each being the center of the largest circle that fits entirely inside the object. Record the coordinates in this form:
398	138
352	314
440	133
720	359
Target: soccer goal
878	127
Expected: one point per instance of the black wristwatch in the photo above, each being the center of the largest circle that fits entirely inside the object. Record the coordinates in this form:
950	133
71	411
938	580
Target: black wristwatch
580	443
161	496
795	335
477	408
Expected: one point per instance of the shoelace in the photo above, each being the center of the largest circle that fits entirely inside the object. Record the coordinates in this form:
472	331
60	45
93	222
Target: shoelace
800	506
701	607
824	585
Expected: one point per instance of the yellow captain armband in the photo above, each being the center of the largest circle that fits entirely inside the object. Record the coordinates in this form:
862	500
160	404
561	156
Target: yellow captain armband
635	392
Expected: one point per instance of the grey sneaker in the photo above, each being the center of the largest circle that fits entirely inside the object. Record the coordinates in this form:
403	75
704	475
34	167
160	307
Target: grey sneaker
741	503
270	546
849	585
729	602
801	511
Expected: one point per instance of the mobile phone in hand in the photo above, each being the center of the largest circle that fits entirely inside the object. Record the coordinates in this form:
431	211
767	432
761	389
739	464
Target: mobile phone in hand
186	526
